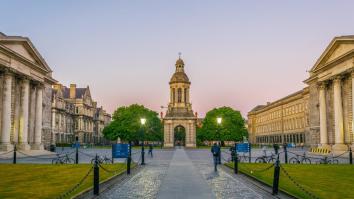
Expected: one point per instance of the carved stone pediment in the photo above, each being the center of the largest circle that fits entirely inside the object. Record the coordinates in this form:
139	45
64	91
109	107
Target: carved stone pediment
336	50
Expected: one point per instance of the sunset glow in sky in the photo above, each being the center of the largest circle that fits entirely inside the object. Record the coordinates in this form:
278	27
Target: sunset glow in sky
237	53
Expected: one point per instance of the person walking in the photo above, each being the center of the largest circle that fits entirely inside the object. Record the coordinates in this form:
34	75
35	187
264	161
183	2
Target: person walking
215	150
150	150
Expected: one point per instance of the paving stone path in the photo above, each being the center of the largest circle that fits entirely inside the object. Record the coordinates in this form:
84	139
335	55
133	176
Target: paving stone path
183	174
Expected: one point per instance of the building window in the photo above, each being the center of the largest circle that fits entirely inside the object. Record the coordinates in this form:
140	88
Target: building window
173	95
179	95
185	95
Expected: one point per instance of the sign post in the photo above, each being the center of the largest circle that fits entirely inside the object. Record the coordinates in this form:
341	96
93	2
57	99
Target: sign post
122	151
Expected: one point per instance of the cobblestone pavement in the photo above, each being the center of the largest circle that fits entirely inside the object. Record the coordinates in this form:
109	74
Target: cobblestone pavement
146	183
223	184
162	177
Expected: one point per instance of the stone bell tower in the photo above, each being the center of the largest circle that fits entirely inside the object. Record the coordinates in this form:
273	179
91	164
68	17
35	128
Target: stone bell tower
179	114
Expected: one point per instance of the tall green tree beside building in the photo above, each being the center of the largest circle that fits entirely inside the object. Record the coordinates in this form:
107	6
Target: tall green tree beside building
126	124
232	127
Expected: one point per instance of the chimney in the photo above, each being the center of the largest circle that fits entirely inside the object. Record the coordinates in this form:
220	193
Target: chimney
72	91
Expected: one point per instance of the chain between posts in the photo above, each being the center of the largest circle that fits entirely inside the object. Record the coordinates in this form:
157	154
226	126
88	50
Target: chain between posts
297	184
76	186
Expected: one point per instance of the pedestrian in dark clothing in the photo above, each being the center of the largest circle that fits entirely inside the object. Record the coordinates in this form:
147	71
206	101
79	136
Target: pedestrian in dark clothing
150	150
215	150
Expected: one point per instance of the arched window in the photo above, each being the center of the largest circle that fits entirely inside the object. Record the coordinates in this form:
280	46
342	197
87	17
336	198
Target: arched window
173	95
185	95
179	95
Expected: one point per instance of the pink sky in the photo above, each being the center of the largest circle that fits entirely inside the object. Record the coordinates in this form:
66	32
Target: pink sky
237	53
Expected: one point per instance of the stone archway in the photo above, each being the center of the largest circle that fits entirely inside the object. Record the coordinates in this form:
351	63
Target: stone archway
179	135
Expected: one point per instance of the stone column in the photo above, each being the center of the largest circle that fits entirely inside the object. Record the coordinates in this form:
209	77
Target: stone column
323	115
352	74
38	121
338	116
23	135
5	144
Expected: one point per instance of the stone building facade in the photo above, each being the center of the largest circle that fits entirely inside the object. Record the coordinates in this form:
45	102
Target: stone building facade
74	113
25	102
101	120
327	104
179	114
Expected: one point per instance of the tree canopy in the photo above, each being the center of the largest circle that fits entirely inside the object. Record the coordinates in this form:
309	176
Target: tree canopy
126	124
232	127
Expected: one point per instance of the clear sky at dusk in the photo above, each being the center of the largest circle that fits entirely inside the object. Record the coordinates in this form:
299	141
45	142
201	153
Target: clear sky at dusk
237	53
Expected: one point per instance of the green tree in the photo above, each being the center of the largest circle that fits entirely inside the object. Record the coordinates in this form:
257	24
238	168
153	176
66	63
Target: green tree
126	124
232	127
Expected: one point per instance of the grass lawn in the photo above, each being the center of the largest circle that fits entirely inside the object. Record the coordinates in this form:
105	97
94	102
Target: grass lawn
47	181
324	181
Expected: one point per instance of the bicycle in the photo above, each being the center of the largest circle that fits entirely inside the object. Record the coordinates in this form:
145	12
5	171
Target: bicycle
242	158
65	159
326	160
265	158
297	160
102	160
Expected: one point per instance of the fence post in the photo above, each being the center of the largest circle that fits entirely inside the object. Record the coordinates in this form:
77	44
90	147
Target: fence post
14	159
285	153
249	153
350	156
129	160
96	178
236	164
77	150
276	177
77	156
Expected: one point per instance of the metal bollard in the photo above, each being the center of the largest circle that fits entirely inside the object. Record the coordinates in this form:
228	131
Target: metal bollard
286	154
350	156
128	164
96	178
276	177
15	155
236	164
77	156
249	155
142	155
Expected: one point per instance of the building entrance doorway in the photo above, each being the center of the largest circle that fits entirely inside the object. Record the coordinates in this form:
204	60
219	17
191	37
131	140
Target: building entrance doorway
179	136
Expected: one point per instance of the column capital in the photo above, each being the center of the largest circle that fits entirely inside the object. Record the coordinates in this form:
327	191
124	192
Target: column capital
337	78
322	85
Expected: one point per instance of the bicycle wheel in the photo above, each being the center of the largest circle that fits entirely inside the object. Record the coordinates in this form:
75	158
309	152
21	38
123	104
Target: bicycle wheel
293	160
334	161
70	160
271	160
260	160
306	161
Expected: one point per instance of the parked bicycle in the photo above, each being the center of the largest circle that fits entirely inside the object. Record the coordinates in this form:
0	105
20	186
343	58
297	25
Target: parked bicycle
102	160
64	159
242	158
300	159
265	158
328	160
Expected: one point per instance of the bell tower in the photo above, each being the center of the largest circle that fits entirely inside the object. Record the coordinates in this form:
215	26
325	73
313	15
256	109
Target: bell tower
179	113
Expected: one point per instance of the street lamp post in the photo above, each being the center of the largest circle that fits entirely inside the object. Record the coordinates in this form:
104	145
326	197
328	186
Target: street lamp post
142	121
219	120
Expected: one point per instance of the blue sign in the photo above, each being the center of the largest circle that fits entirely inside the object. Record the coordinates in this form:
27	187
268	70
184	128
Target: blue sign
243	147
76	145
291	145
120	150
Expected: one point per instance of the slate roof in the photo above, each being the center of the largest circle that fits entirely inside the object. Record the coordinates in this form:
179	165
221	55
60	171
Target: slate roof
79	92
